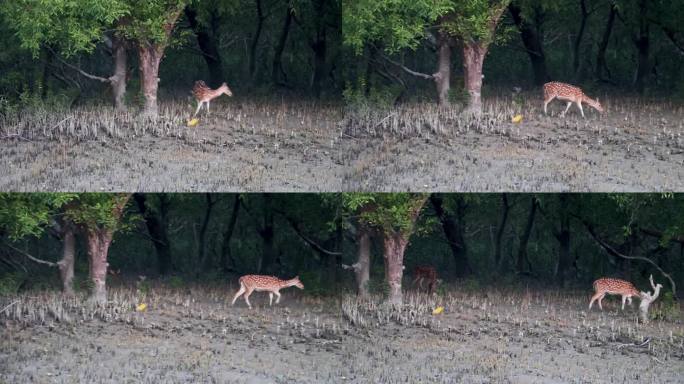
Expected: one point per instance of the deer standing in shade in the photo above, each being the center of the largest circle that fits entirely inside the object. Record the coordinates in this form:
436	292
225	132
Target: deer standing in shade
204	94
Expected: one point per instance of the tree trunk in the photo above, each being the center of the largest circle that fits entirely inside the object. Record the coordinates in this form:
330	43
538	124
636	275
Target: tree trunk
394	246
227	262
642	43
255	39
150	56
203	259
320	47
157	229
524	239
98	241
66	265
578	39
362	267
565	263
473	58
454	231
443	75
603	44
119	78
531	39
500	231
266	232
277	69
207	45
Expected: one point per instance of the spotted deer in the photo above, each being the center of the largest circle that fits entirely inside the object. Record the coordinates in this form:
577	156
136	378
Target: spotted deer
261	283
608	286
569	93
425	273
204	94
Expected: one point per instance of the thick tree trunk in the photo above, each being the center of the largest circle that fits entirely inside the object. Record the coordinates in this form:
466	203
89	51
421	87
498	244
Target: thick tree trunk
156	227
443	75
525	238
603	44
531	39
320	47
255	39
204	260
66	265
473	58
227	262
362	266
277	69
394	247
150	56
565	263
578	39
119	79
207	45
642	42
500	231
266	232
98	241
454	231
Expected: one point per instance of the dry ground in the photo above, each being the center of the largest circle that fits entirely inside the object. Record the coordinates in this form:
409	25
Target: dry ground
194	335
242	146
634	146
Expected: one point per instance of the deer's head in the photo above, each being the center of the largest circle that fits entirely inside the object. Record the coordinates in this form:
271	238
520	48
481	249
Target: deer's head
224	88
298	283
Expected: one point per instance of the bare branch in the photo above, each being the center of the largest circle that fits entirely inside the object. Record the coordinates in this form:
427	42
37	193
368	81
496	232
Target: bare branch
79	70
34	259
408	70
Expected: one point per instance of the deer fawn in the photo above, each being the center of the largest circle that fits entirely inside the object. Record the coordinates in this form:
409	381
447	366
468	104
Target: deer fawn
605	285
425	273
569	93
204	94
260	283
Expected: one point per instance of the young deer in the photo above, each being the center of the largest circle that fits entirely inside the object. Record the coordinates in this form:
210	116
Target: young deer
204	94
260	283
569	93
425	273
607	286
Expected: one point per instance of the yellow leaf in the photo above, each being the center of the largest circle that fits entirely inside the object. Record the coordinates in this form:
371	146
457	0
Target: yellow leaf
193	122
517	119
438	310
141	307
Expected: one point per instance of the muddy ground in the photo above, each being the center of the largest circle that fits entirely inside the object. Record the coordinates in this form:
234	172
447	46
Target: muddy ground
196	336
309	147
634	146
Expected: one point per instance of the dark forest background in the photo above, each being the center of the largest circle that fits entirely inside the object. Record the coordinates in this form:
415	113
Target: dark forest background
563	240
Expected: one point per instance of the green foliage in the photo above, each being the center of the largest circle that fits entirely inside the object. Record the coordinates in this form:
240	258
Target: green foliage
98	210
27	214
388	212
475	20
10	283
151	20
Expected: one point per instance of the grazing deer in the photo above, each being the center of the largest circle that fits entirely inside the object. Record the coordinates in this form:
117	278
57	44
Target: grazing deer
425	273
204	94
569	93
259	283
607	286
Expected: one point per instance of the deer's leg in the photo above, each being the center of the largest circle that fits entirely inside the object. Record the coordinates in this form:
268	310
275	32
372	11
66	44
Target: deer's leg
624	298
239	292
546	102
199	106
270	299
208	113
629	300
249	292
594	298
566	108
579	105
600	300
277	297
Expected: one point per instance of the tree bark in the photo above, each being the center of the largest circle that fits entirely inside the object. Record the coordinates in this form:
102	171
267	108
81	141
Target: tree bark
601	65
207	45
362	266
119	79
157	229
394	246
524	239
227	262
531	39
454	231
98	241
473	58
565	263
500	231
578	39
266	232
150	56
642	42
66	265
255	39
277	69
443	75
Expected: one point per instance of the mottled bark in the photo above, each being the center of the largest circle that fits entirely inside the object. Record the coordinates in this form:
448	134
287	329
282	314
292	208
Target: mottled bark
362	266
98	241
119	79
394	247
66	265
473	59
443	75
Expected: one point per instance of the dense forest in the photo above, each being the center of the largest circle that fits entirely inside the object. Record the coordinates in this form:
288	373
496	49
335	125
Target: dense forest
339	242
456	50
66	53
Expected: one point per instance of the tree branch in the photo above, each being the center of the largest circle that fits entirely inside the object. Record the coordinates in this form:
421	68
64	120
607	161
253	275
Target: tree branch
79	70
310	242
34	259
407	70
